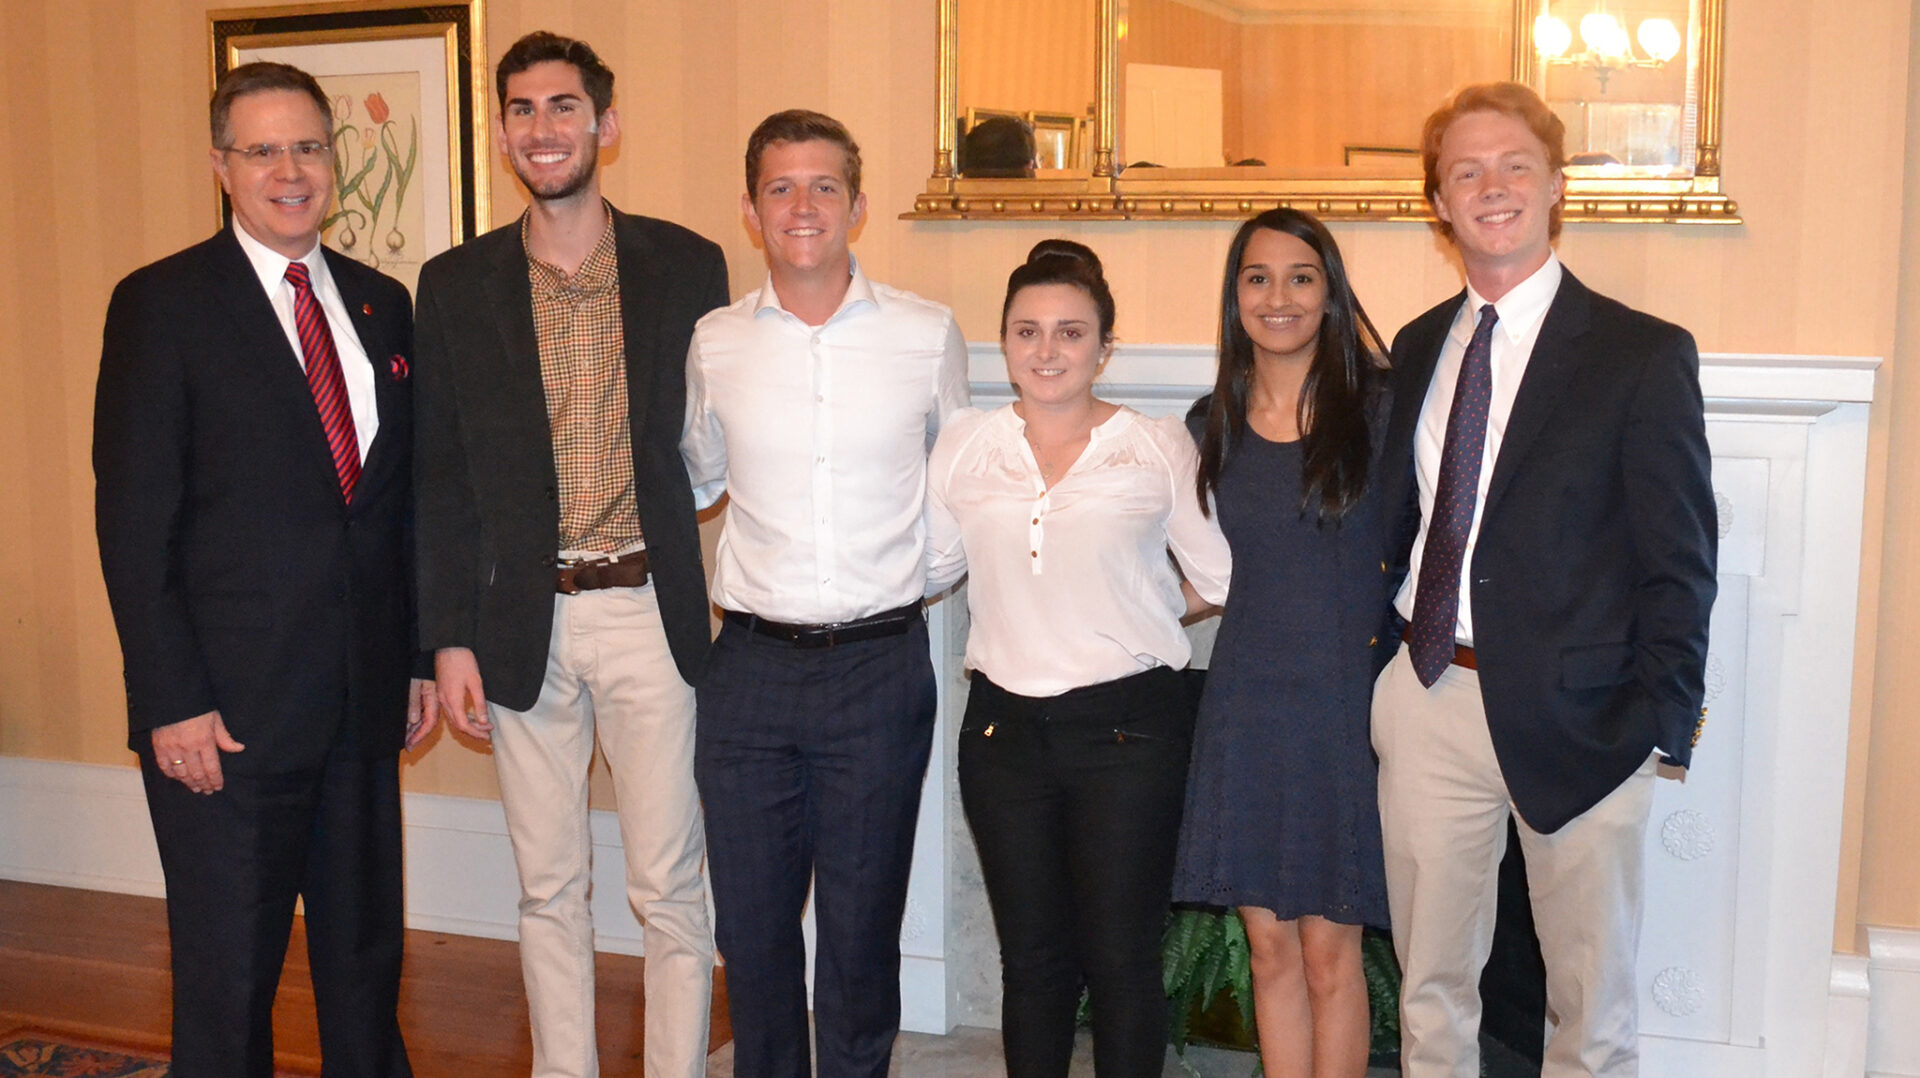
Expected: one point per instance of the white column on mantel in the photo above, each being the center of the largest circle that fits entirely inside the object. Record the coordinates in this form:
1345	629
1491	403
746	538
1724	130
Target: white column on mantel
1738	974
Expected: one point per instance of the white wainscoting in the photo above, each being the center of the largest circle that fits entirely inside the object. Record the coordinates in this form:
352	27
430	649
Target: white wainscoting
85	825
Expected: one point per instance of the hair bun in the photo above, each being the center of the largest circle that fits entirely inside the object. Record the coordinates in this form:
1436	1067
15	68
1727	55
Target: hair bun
1066	249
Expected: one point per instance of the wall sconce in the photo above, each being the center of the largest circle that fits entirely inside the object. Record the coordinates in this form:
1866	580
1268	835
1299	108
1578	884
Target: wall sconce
1607	46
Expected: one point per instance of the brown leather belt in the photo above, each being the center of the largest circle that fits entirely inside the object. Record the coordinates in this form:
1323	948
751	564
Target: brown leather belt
1462	654
622	571
889	623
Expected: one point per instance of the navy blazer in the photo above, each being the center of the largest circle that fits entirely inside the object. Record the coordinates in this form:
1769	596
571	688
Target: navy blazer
489	502
1593	574
240	580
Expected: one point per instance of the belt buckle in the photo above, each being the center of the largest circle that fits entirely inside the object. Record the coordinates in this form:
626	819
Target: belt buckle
821	637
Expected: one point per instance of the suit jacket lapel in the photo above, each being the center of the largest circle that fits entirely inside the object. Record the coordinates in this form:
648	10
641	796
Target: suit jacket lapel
510	366
642	283
510	295
258	334
388	397
1556	353
1414	363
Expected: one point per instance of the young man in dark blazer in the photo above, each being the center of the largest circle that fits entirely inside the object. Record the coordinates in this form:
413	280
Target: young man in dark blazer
558	548
252	432
1557	540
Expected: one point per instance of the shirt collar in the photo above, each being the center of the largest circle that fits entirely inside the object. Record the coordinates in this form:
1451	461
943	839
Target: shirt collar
1522	308
859	290
600	272
271	266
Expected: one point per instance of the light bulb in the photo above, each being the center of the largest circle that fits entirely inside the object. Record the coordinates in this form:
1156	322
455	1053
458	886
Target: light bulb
1551	36
1660	39
1602	33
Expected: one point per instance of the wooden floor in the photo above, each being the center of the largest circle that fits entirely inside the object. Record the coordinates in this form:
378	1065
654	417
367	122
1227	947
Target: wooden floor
95	964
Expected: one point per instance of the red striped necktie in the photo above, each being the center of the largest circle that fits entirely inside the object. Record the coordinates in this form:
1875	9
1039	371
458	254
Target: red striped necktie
324	378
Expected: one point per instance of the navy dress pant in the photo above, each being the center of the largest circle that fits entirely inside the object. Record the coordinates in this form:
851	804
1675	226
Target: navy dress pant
810	762
235	861
1075	804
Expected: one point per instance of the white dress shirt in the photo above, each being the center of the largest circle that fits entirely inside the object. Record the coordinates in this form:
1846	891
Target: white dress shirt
819	436
355	368
1521	311
1071	586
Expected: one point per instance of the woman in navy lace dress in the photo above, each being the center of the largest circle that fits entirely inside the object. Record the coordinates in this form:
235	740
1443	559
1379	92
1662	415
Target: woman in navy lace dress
1281	820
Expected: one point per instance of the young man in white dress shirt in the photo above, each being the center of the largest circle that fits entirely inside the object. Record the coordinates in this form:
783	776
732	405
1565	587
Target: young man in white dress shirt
812	403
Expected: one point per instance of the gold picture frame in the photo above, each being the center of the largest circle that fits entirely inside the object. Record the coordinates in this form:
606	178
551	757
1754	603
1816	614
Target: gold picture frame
1060	138
409	85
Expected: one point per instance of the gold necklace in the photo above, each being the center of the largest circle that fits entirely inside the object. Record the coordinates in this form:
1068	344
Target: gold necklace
1046	469
1045	458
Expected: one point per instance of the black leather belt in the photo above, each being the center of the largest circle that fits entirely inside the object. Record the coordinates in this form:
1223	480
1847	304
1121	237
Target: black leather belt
889	623
623	571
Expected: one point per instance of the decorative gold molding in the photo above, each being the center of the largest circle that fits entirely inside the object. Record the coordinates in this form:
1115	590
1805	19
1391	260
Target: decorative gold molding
1206	194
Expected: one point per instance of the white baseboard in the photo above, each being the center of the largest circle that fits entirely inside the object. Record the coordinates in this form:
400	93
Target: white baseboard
1849	1011
86	825
1893	1038
76	825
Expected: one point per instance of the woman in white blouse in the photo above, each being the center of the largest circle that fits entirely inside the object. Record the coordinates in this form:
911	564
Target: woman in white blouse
1073	752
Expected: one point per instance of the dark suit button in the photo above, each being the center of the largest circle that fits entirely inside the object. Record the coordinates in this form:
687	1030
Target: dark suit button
550	560
552	494
340	594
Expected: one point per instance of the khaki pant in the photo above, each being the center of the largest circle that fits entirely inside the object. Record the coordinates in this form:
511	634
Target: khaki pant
1443	814
610	675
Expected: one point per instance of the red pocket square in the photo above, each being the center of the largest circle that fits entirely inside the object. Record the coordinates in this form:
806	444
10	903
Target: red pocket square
398	365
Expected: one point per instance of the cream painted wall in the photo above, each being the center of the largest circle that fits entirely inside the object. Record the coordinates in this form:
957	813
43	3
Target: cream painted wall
106	170
1889	797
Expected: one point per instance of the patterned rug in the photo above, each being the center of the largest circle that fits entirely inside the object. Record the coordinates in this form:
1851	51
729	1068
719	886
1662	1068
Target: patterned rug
38	1053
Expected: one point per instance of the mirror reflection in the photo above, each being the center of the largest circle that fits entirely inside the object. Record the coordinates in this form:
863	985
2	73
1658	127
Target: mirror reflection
1208	108
1625	80
1303	87
1031	60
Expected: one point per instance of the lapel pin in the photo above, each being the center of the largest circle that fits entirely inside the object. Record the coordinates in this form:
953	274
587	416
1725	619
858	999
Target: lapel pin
366	308
398	364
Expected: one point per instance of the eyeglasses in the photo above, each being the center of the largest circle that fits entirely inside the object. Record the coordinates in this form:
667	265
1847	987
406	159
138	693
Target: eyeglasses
309	152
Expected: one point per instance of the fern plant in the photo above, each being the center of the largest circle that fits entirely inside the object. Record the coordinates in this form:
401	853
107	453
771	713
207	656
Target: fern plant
1205	953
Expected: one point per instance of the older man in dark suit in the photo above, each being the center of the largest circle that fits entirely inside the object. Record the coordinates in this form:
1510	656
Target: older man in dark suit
251	444
1548	452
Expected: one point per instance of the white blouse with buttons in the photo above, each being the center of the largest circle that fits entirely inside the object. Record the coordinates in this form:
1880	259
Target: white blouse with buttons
1071	586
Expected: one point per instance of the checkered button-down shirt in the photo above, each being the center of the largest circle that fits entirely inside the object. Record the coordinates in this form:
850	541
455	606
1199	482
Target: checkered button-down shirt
583	370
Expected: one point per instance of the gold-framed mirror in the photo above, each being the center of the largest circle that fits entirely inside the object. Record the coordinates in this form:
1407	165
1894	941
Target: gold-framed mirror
1217	109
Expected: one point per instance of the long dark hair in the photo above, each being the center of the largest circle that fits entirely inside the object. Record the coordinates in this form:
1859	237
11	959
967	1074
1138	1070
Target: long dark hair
1336	396
1057	261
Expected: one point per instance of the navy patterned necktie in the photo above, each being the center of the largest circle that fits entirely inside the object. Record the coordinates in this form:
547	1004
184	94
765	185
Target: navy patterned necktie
325	379
1436	599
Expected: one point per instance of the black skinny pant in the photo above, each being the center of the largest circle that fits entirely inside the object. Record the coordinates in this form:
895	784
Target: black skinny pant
1075	803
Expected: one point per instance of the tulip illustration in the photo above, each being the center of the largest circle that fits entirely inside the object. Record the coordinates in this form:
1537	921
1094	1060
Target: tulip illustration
368	166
